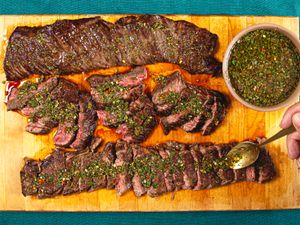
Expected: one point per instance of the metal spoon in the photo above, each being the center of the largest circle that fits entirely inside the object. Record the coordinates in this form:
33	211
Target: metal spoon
246	153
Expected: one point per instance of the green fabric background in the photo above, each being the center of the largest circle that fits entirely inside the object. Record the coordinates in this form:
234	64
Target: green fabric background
242	7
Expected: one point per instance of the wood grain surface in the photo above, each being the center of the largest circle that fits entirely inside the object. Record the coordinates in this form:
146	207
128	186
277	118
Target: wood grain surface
241	123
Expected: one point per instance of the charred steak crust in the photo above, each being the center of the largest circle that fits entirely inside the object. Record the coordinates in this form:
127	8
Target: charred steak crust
190	107
57	102
154	170
96	44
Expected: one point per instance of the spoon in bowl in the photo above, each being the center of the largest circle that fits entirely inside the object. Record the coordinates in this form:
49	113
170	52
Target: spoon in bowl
246	153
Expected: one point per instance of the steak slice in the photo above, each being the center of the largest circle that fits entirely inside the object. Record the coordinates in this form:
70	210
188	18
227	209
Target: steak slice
127	86
41	126
20	98
218	112
189	173
210	176
141	121
87	122
168	172
51	176
265	167
226	175
173	148
73	166
158	185
66	90
123	159
139	181
91	178
174	85
96	44
109	156
15	102
172	121
65	134
29	177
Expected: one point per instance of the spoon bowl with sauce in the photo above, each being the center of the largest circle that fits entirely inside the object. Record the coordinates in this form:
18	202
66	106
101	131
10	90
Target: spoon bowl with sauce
246	153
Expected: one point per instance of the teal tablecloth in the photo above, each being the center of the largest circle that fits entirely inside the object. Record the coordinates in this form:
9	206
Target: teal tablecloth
242	7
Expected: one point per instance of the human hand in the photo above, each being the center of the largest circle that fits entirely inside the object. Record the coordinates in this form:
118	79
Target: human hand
292	116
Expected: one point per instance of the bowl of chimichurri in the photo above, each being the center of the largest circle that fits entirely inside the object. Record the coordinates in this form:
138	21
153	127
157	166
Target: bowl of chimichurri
261	67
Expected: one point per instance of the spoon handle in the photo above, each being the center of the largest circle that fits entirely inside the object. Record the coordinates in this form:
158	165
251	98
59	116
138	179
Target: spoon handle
280	134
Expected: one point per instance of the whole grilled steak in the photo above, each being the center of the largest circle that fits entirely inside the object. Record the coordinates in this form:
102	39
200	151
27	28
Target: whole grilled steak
190	107
75	46
154	170
122	104
56	102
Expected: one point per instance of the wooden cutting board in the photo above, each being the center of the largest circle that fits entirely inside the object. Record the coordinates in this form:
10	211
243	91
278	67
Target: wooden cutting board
240	123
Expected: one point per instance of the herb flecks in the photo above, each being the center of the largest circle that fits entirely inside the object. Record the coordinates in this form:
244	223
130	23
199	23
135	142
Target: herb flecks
56	110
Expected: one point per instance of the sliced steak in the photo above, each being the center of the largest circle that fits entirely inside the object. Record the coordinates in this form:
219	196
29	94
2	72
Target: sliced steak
226	175
139	180
66	90
173	148
87	122
73	166
41	126
124	158
91	177
128	86
168	172
50	177
189	172
158	185
107	119
109	156
122	104
265	167
57	102
29	177
191	107
218	114
141	121
202	179
65	134
153	170
173	85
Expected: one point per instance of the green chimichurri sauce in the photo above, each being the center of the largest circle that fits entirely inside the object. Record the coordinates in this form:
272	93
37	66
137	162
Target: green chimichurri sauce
264	67
110	93
56	110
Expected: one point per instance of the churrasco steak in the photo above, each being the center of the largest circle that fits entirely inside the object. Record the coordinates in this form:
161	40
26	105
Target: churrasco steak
123	104
152	170
75	46
56	102
186	106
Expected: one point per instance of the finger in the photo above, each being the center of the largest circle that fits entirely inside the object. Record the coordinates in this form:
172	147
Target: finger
296	121
287	117
293	145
